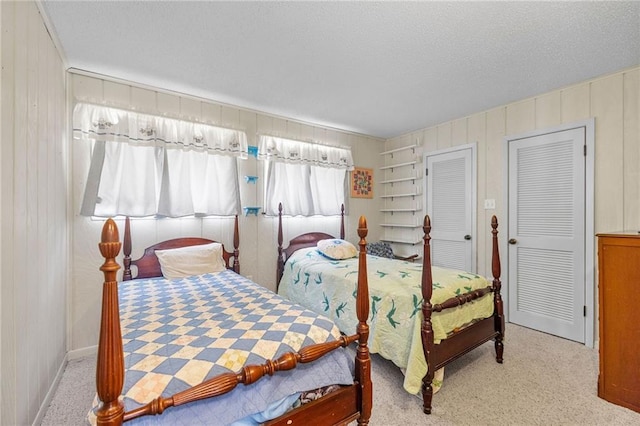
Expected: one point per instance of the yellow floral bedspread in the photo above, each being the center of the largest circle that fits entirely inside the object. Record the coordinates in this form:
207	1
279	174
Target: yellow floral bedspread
329	287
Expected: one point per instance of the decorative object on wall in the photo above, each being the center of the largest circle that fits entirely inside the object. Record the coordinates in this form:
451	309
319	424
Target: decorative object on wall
251	179
251	210
253	151
361	183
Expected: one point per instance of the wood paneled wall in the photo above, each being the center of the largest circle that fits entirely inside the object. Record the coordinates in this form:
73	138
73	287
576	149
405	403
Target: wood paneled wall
33	216
258	235
613	101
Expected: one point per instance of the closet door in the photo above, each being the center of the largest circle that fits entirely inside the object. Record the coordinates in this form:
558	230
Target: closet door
547	233
450	201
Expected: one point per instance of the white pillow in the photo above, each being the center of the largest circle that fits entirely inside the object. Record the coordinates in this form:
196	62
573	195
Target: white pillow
191	260
336	249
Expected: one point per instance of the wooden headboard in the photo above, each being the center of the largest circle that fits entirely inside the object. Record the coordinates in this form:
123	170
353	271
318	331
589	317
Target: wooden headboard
149	266
310	239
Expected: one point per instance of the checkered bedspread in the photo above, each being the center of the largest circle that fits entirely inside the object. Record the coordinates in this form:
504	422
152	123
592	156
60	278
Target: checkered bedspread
178	333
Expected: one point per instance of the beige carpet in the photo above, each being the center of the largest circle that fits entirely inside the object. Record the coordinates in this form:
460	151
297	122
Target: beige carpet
544	380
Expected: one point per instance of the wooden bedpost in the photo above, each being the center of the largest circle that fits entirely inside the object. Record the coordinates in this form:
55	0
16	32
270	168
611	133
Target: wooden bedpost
427	310
126	250
497	285
236	244
110	367
342	222
280	267
363	358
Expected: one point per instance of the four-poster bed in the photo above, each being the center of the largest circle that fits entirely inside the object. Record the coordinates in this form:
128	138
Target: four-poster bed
419	323
134	346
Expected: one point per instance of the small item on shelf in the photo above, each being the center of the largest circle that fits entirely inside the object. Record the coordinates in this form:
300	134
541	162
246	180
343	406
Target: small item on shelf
251	210
251	179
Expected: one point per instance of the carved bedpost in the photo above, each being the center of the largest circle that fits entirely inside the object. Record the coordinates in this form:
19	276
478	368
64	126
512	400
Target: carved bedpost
363	358
126	250
110	368
236	244
342	222
280	269
427	310
497	285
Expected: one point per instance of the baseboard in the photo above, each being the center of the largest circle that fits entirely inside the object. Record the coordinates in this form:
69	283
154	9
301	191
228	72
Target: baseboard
82	352
71	355
51	392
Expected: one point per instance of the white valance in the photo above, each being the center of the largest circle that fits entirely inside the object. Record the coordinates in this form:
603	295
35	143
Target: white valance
107	124
297	152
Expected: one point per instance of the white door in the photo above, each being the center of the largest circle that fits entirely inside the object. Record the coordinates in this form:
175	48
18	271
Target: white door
450	202
546	232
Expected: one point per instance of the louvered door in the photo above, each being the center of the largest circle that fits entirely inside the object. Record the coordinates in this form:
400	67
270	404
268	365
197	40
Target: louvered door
546	233
449	194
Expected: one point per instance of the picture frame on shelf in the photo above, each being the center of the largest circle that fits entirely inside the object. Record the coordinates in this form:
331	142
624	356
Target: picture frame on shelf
361	183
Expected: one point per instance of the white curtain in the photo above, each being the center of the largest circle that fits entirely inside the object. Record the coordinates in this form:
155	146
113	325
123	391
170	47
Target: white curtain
146	165
297	152
308	179
197	184
327	190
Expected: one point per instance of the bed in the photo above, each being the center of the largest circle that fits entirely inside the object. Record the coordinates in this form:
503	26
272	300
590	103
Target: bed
224	326
422	317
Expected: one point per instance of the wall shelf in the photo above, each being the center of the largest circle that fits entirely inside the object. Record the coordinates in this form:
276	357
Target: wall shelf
412	210
251	211
409	194
401	241
252	151
393	166
399	149
406	179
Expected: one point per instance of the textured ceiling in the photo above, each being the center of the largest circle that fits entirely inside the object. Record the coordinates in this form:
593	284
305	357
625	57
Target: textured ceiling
377	68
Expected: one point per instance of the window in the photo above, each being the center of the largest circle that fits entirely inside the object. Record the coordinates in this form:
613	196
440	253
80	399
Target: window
308	179
145	165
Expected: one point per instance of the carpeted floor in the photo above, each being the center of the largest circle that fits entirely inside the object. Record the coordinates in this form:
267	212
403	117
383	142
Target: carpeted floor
544	380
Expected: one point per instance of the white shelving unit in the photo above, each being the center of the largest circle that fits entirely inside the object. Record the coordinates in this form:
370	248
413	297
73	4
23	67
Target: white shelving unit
402	197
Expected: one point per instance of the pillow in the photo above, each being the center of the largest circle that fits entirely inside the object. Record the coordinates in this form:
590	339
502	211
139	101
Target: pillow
336	249
191	260
380	249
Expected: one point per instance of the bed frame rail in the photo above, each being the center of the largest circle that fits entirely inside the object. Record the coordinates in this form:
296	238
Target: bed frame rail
468	338
219	385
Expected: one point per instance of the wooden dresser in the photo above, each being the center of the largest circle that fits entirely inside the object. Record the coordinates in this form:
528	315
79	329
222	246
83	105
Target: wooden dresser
619	299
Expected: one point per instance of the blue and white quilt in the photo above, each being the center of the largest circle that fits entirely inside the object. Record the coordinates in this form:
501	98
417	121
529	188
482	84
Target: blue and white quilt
178	333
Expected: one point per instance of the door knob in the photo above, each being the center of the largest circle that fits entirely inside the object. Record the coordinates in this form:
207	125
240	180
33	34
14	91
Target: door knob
467	237
513	241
